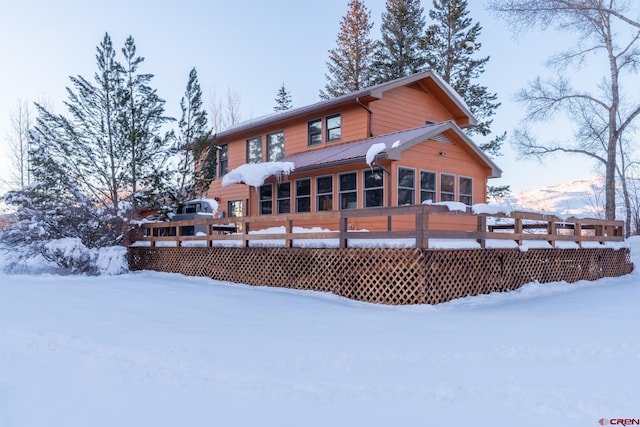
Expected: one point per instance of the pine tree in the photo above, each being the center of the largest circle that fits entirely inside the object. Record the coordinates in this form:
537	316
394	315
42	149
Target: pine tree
450	43
350	64
283	100
110	142
142	119
197	165
399	53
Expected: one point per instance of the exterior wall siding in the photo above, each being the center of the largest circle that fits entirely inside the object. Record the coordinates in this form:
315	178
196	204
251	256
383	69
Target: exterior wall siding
406	108
401	108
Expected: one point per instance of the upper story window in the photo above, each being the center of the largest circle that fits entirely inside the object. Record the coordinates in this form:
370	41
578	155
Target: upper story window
284	197
334	127
223	159
373	188
314	130
406	186
427	186
447	187
275	146
324	193
266	199
303	195
348	183
465	190
254	150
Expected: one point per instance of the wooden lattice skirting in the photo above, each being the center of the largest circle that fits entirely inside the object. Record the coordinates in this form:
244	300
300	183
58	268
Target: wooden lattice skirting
387	276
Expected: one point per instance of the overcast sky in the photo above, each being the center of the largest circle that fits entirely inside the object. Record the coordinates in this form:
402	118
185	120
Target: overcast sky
250	47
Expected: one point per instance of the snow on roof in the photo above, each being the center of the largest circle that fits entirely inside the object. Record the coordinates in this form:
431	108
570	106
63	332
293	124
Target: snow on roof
254	174
373	151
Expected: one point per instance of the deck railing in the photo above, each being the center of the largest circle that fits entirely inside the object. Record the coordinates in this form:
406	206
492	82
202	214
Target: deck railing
519	227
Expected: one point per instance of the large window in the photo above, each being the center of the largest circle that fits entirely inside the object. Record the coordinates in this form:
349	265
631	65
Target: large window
348	188
275	146
223	159
334	128
373	188
283	197
266	199
427	186
447	188
254	150
314	130
324	193
303	195
465	190
406	186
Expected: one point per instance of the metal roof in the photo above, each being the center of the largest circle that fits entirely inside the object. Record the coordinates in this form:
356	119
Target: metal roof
396	142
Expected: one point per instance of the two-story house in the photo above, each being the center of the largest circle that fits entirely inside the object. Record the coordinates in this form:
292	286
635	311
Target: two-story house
426	155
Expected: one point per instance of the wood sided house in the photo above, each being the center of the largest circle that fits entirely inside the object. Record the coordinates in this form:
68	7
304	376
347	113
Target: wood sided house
427	156
363	164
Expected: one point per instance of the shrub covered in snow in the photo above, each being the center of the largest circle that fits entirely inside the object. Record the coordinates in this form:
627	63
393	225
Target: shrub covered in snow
69	231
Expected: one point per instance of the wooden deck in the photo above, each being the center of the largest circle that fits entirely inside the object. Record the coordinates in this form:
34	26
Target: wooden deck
418	224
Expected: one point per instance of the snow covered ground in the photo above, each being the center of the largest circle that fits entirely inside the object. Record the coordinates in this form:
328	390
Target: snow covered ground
152	349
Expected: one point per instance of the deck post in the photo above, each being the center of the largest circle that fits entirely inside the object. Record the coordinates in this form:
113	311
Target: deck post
288	225
552	230
517	230
420	229
482	228
343	230
577	232
245	232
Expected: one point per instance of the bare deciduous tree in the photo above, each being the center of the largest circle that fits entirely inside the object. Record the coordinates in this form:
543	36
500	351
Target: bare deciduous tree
21	120
225	112
605	32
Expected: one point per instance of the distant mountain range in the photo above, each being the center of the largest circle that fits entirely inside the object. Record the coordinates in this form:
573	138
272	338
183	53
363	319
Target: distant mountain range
584	197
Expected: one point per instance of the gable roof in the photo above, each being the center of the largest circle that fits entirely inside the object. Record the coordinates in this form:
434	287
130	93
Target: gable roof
395	142
375	92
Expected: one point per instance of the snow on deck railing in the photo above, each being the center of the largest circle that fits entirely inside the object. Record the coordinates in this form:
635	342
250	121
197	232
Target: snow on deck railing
427	226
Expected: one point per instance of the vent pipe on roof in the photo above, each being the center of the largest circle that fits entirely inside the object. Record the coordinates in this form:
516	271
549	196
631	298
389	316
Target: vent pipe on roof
370	116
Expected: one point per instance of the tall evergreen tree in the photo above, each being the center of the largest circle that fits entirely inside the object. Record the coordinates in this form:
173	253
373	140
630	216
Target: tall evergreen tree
350	64
142	119
399	53
283	100
198	160
450	43
110	142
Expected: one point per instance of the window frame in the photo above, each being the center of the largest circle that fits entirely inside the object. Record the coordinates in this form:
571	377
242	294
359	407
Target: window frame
462	195
318	194
329	138
231	212
304	196
263	202
223	159
342	192
310	134
411	189
365	189
283	199
435	185
269	135
451	196
248	147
